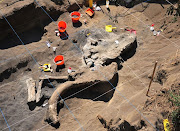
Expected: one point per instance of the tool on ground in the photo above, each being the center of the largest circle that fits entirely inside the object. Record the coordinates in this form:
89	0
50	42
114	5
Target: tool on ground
109	28
152	27
166	125
90	12
62	26
151	78
88	34
59	60
75	16
70	70
46	68
131	31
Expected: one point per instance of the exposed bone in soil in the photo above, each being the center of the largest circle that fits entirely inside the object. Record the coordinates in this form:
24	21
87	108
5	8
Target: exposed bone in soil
35	28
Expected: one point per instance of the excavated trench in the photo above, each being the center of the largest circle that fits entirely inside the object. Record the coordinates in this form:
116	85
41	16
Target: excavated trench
103	49
12	69
94	91
7	73
28	22
90	93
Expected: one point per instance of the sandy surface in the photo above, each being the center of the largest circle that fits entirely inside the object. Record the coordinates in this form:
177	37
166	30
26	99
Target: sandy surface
133	76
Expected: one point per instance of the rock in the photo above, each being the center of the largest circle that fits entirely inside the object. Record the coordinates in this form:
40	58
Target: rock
87	54
164	90
90	64
86	51
86	47
94	51
74	41
94	57
94	43
31	90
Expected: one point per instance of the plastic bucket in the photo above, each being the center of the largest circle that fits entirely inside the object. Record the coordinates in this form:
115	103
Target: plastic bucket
75	17
62	26
59	60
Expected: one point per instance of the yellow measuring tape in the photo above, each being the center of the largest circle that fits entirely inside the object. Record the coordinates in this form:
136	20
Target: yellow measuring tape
166	125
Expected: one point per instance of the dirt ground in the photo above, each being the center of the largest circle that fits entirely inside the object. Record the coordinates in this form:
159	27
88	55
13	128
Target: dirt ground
127	109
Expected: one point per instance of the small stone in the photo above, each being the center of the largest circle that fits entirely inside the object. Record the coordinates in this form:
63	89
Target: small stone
94	51
87	47
90	63
94	43
89	60
117	42
74	41
154	33
87	54
94	57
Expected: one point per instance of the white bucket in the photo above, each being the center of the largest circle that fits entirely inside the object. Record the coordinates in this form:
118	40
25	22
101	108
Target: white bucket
152	28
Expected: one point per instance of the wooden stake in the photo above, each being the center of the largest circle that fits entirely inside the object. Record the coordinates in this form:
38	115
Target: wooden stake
151	78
